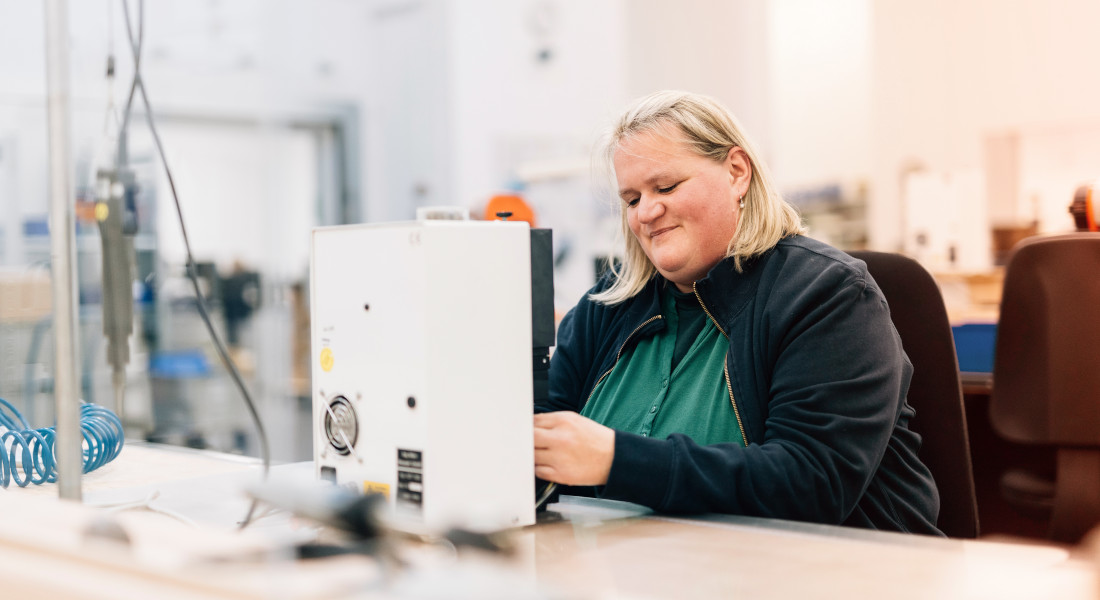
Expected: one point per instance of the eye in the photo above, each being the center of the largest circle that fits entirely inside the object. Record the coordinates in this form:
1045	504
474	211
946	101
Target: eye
632	201
667	190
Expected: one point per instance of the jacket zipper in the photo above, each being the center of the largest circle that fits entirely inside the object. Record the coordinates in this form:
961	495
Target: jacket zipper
741	426
619	355
725	366
712	319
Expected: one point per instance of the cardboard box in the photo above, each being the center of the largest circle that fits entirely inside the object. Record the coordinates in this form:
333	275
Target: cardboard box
24	295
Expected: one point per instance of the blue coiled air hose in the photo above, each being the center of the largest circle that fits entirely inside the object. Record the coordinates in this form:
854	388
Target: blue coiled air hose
27	455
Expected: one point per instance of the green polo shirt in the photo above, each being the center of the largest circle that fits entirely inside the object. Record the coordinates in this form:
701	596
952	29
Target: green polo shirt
673	382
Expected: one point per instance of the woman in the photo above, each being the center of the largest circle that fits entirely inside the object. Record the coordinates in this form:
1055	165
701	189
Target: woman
729	364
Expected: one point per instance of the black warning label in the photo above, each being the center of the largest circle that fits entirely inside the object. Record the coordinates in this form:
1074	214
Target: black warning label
410	480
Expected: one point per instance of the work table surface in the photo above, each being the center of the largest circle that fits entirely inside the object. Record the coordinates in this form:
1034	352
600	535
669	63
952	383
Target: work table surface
580	548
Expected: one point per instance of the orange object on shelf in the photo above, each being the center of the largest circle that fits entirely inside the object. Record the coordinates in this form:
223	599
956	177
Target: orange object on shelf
1085	208
509	203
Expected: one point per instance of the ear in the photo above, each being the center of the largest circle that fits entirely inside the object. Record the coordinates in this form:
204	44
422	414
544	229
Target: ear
740	169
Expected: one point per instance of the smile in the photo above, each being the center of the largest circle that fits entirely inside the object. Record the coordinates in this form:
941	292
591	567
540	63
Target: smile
662	231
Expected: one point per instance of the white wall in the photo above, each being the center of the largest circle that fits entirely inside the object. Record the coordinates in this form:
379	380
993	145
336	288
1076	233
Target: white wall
260	208
529	80
403	71
947	75
713	47
796	73
22	120
819	71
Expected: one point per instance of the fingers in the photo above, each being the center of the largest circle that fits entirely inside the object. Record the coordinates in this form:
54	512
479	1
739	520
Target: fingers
543	458
548	428
546	437
563	419
550	420
542	439
571	449
547	473
545	467
545	434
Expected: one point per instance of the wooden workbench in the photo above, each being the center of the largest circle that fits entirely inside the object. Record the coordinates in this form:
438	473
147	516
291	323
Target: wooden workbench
581	548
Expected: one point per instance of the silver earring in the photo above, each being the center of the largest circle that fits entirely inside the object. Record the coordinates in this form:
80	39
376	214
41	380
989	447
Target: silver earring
742	202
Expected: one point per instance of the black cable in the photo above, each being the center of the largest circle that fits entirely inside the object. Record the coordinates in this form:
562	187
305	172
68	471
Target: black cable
544	494
139	85
135	50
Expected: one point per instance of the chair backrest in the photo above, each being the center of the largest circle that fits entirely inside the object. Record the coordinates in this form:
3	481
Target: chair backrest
919	315
1046	370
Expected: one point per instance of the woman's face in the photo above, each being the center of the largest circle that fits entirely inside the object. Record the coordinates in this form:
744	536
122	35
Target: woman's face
681	207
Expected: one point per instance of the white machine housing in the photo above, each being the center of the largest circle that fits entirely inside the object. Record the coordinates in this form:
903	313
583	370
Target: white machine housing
423	329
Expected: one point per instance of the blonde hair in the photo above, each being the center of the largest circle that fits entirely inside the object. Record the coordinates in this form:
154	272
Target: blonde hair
710	131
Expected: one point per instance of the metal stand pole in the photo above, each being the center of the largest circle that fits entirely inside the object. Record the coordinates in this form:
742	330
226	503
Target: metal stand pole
63	255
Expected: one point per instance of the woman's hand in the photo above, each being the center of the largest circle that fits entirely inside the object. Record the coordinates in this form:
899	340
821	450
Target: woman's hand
572	450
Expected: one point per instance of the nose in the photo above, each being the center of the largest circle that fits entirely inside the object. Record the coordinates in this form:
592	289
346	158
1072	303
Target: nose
650	208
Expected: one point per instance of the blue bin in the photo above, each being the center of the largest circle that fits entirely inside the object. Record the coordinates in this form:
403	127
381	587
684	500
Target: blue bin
179	364
974	345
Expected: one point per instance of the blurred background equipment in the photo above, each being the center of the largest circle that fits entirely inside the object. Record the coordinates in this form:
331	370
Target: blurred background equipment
513	206
116	215
240	297
1085	207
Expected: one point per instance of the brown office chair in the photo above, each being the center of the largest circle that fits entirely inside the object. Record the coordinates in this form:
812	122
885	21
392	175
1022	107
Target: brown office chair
919	315
1046	374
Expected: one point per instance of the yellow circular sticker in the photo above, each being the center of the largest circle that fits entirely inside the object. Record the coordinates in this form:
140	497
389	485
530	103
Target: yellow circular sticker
101	211
326	360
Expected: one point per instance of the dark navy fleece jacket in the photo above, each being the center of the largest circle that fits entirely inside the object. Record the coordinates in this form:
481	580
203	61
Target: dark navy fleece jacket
819	381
